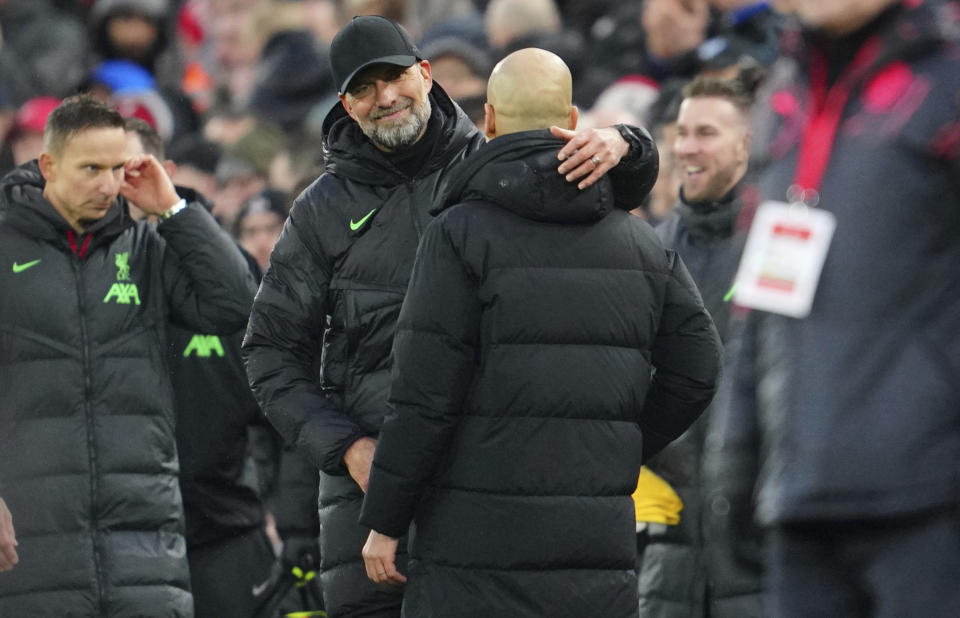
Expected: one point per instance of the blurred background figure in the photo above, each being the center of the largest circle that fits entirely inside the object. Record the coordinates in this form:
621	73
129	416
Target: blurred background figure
26	135
839	430
747	28
43	49
515	24
292	74
196	163
297	164
662	122
460	61
131	89
139	31
131	34
655	38
244	170
259	223
686	568
228	549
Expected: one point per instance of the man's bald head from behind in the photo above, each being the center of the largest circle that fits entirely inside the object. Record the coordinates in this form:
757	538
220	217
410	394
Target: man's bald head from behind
529	89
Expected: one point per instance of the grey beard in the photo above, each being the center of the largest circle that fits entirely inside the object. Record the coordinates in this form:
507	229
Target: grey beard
393	138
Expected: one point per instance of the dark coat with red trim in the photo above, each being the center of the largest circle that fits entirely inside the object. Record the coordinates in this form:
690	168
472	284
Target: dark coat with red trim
547	345
88	462
854	411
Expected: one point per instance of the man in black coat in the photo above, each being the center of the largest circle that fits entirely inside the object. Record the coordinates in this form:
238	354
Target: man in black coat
842	427
547	345
686	569
227	546
319	339
88	462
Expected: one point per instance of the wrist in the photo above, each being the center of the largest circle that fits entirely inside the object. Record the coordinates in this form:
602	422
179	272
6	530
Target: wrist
173	210
628	140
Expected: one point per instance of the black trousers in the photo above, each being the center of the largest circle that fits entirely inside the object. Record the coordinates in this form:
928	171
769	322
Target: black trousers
223	574
872	568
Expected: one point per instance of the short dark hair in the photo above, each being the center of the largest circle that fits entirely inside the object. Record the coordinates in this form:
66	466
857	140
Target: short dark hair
77	114
149	138
740	91
268	200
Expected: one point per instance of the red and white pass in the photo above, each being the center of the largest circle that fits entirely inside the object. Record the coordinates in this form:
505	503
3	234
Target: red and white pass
783	258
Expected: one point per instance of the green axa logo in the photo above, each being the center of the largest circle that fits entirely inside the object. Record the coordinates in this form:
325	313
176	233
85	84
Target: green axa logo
123	293
204	346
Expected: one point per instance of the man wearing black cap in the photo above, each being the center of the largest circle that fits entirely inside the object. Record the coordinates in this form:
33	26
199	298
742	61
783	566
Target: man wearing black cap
320	334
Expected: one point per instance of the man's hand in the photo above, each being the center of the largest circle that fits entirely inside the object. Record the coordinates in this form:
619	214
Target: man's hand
8	541
148	186
590	153
359	458
379	556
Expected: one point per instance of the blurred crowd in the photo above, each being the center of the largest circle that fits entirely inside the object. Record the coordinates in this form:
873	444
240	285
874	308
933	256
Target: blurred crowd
238	89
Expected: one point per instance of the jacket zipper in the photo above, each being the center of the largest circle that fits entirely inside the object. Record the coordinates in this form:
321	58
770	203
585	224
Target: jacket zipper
91	428
413	210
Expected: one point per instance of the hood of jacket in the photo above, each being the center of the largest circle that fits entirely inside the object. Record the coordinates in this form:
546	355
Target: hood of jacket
348	152
518	172
23	206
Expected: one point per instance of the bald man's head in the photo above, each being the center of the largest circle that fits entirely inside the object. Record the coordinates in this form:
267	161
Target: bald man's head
529	89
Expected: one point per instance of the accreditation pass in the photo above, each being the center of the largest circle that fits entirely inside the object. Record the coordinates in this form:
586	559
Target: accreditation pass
783	257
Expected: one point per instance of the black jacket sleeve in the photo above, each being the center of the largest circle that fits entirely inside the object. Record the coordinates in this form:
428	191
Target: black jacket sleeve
434	360
637	172
686	359
281	347
207	283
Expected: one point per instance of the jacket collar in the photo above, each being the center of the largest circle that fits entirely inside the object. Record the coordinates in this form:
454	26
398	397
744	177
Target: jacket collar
709	222
518	172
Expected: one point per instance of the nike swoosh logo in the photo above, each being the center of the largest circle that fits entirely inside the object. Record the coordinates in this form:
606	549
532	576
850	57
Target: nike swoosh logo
259	589
19	268
356	225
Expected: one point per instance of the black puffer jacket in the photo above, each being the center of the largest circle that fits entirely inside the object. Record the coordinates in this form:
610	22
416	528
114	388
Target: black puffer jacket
337	278
525	394
88	464
218	476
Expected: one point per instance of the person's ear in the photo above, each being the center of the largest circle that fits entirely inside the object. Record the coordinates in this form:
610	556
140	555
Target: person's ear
47	166
489	121
170	167
745	146
426	73
574	117
347	106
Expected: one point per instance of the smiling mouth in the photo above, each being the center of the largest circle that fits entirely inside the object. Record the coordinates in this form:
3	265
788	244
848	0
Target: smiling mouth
392	115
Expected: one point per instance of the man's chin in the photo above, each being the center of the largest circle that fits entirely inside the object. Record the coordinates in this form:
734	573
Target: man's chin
94	215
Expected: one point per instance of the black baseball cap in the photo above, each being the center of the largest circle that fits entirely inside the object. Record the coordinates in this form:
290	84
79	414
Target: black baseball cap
368	40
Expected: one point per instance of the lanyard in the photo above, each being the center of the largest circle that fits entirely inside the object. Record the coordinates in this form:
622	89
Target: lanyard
826	111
